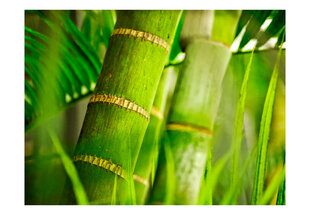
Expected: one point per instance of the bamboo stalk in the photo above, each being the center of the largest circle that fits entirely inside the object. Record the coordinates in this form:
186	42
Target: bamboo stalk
147	158
192	114
117	117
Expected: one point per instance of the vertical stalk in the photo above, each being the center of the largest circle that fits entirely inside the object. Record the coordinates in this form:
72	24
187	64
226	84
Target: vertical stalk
118	113
147	159
194	107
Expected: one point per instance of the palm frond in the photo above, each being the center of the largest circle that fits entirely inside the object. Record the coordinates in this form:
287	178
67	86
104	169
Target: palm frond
77	64
254	23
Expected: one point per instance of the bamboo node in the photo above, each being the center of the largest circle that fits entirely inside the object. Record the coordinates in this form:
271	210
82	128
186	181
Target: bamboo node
157	113
123	103
141	180
145	36
100	162
188	127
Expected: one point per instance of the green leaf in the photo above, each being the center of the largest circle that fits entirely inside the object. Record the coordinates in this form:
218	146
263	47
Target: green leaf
243	20
272	188
254	25
73	66
281	193
97	27
231	196
238	125
70	170
277	23
86	27
106	25
212	179
30	92
83	44
281	35
264	133
281	190
253	20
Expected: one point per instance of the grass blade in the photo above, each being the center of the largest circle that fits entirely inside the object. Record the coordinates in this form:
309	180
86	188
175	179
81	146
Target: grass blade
264	133
231	196
211	181
281	194
78	189
238	125
272	188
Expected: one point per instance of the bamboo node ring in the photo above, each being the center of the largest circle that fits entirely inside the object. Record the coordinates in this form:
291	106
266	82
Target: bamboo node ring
100	162
122	102
157	113
145	36
141	180
188	128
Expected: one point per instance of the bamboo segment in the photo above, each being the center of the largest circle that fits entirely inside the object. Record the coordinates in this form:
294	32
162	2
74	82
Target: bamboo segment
205	65
197	24
149	149
131	70
225	25
195	103
191	119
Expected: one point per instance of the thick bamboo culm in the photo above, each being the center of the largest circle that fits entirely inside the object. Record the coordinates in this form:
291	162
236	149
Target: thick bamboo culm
193	111
113	129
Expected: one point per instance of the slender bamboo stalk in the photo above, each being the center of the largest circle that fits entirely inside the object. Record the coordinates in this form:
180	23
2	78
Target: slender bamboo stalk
118	113
147	159
193	111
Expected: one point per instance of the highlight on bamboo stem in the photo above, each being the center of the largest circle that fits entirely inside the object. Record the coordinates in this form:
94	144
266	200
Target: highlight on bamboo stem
155	107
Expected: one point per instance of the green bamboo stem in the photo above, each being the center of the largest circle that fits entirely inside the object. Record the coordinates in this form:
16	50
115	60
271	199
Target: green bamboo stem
192	115
149	150
131	70
195	105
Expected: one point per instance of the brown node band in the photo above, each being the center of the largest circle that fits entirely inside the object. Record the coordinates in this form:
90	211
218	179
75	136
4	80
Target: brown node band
143	35
187	127
122	102
100	162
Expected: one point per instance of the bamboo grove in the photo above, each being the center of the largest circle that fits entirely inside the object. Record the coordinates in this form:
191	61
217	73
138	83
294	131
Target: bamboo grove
155	107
